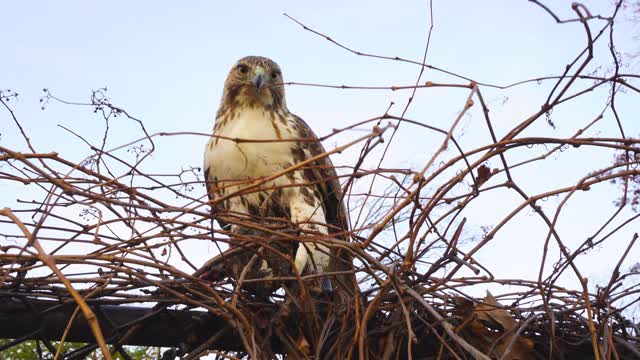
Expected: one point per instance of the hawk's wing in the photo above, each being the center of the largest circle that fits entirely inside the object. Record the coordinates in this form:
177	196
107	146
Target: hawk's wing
322	173
210	183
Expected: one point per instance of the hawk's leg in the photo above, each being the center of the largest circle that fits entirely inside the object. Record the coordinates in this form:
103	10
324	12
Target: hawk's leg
238	205
252	259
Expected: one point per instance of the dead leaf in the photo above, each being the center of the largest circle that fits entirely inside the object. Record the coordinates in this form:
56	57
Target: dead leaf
490	328
303	345
484	173
491	311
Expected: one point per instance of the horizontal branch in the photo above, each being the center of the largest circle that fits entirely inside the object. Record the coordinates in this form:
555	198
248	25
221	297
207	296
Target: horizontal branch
47	320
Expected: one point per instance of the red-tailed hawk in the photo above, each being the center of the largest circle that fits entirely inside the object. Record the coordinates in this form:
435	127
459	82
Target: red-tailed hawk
254	137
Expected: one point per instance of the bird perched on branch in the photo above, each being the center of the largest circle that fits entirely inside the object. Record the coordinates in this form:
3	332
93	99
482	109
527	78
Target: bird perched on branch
270	184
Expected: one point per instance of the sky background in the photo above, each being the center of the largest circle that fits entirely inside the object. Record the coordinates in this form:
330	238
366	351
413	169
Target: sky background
165	64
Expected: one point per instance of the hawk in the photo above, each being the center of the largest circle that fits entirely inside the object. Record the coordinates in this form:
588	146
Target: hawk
255	140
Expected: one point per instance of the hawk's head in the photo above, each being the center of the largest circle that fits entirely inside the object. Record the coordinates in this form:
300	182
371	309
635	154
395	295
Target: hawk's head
254	81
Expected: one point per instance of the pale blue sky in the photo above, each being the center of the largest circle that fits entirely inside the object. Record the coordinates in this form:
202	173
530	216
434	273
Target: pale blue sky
165	64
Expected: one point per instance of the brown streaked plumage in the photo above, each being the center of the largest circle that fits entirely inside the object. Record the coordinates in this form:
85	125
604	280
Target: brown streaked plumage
306	201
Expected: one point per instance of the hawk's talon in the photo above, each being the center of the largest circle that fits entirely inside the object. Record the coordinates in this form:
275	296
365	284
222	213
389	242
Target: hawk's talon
326	286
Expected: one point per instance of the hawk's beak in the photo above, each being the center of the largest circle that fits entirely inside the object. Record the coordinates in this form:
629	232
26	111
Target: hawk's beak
258	81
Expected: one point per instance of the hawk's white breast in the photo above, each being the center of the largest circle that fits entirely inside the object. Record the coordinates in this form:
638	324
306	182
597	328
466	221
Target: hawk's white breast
236	160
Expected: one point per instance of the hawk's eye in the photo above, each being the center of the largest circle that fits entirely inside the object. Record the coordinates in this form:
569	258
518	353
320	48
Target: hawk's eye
275	74
243	69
